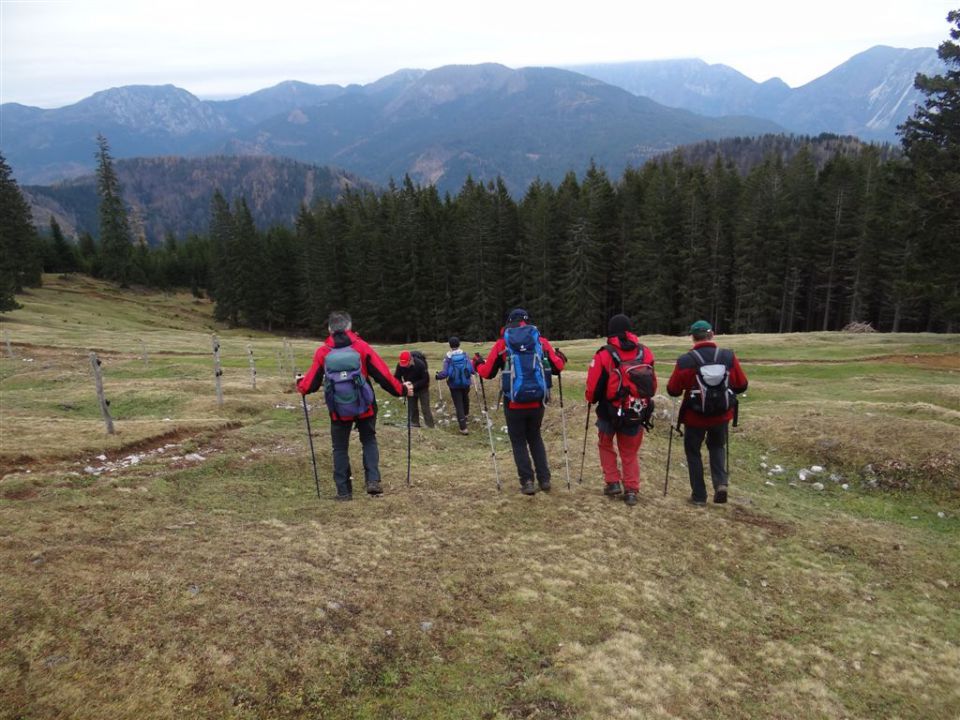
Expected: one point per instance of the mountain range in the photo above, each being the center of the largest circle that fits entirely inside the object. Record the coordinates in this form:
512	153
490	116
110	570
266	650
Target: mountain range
441	125
867	96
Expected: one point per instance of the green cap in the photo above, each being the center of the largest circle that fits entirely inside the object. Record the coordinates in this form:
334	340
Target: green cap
700	326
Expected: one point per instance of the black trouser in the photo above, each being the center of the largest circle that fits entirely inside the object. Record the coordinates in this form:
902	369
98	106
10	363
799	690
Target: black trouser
461	401
340	435
716	441
523	427
422	399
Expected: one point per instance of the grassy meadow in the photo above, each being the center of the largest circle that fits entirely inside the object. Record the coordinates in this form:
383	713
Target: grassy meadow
184	567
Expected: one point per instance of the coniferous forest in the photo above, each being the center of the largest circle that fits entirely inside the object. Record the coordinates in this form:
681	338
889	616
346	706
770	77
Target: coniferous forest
792	245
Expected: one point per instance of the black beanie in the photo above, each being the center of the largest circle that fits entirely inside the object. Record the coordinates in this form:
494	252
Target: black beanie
454	341
618	325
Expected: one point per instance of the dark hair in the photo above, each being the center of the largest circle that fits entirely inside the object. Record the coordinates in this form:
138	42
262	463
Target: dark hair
339	321
454	341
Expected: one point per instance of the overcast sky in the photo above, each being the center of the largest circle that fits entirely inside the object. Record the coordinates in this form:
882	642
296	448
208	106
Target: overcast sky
56	52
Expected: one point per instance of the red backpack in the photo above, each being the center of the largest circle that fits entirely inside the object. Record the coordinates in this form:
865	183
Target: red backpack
633	400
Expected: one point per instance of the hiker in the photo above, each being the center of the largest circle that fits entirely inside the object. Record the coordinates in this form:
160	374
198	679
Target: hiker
621	381
343	366
709	379
412	368
458	372
521	352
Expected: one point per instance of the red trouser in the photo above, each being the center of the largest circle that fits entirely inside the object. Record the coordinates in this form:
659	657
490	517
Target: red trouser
629	446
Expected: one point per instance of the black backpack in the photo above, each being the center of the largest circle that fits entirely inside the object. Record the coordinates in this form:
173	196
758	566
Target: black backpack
712	396
633	402
418	355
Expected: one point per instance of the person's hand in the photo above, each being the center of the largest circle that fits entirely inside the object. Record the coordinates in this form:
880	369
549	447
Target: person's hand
560	354
436	375
409	388
477	360
296	383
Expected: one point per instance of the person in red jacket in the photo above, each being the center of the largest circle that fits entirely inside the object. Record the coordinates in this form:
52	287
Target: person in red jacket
622	406
524	393
707	409
343	366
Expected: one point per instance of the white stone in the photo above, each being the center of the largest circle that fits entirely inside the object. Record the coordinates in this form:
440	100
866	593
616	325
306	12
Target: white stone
195	457
845	486
802	475
818	486
941	514
763	465
816	468
770	483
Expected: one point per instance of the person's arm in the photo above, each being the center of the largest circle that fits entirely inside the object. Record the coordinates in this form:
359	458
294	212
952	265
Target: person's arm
378	370
557	360
680	379
445	370
596	380
738	379
313	380
489	368
398	373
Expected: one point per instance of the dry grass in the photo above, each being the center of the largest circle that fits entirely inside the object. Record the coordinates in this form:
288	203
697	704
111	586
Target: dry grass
206	580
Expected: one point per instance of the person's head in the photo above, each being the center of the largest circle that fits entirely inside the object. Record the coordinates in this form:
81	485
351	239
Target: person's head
619	325
701	330
454	342
517	315
339	321
405	358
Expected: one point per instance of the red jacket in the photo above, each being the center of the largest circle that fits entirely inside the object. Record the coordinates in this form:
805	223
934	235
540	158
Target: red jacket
602	375
684	379
496	359
371	366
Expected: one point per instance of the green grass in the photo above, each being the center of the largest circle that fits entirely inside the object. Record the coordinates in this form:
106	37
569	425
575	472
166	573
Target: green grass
206	580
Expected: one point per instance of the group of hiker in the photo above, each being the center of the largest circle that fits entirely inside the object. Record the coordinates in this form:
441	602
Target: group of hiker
621	383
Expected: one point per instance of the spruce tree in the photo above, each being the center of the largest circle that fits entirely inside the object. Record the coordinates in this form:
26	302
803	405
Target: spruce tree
115	237
20	261
931	140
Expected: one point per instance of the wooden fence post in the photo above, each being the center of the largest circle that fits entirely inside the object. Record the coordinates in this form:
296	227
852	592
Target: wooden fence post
290	356
217	372
6	337
143	353
253	367
104	403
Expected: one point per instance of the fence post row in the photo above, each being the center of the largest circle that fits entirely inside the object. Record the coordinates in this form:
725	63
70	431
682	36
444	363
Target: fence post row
217	372
253	367
104	403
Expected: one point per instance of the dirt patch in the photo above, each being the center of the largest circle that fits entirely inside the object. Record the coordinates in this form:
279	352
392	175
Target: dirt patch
776	528
174	436
8	466
21	493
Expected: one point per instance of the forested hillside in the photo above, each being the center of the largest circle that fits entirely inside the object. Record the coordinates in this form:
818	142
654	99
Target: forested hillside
172	195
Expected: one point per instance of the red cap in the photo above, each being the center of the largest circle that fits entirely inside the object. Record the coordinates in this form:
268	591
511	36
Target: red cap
405	358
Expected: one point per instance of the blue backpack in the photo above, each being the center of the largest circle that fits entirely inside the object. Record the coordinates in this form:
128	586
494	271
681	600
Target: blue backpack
459	371
346	390
524	379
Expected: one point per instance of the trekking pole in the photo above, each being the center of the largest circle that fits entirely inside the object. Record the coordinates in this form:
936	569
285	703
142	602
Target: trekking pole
563	424
486	419
406	406
583	455
673	429
313	455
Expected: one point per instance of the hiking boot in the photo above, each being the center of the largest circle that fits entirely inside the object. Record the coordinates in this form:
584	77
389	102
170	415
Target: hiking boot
464	431
612	489
695	501
373	488
545	485
528	488
720	495
630	498
343	498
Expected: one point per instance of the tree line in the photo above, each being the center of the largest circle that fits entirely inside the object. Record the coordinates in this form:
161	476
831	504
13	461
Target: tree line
794	244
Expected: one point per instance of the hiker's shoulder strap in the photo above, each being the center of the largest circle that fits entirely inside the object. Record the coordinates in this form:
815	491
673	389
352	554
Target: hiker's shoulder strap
698	358
614	353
